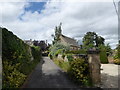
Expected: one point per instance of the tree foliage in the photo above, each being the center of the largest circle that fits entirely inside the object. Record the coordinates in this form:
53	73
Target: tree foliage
91	39
58	32
58	48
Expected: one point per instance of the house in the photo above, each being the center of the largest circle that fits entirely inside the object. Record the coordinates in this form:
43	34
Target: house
29	42
69	41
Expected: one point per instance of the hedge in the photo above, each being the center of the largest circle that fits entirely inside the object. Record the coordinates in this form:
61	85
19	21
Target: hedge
79	71
103	56
81	51
16	58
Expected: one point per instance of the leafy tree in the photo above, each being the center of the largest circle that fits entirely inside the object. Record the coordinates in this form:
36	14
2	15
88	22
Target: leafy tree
108	49
91	39
118	51
58	32
99	41
57	47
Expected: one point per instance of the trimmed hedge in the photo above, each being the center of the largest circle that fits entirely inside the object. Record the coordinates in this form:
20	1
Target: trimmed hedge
103	56
16	58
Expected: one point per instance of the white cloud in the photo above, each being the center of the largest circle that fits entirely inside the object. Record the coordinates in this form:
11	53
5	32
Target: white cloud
77	18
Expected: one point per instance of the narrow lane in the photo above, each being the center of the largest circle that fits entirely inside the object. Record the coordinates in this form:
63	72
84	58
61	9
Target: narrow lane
48	75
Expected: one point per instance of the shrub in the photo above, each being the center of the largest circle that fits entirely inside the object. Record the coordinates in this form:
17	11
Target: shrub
117	61
69	57
50	56
103	55
79	71
63	55
117	54
12	78
81	51
62	64
57	48
36	53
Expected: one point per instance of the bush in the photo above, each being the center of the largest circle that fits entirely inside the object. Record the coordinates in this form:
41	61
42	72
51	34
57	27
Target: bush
81	51
36	53
69	57
79	71
62	64
50	56
117	54
57	49
12	78
63	55
103	55
117	61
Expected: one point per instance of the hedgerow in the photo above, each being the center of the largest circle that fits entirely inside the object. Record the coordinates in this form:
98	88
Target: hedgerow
16	58
79	71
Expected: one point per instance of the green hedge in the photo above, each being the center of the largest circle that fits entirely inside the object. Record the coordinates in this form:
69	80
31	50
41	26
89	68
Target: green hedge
81	51
103	56
79	71
16	58
69	57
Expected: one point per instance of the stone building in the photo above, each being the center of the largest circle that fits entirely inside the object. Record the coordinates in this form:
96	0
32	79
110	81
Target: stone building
69	41
29	42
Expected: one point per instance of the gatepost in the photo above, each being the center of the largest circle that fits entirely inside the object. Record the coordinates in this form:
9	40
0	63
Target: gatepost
94	66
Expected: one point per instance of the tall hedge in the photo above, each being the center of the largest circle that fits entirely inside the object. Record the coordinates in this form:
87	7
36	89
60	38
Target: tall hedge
16	58
103	56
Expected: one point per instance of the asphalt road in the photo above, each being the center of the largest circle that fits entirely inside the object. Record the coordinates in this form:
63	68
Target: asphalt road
48	75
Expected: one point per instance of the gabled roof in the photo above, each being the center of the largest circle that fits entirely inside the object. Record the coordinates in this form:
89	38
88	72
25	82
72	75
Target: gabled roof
70	41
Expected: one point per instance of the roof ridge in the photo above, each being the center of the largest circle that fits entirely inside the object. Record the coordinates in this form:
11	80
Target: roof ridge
68	37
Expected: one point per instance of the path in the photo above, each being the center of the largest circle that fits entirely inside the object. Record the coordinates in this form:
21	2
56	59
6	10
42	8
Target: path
109	76
50	76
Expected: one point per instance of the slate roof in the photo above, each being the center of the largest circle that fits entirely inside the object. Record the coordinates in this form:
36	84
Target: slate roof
70	41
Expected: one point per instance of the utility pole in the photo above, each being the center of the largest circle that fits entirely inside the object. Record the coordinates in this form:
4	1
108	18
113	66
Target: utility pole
117	12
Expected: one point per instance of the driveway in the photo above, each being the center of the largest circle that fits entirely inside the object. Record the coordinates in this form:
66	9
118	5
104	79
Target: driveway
109	76
48	75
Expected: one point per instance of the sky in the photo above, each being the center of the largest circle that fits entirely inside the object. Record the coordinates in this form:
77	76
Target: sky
36	20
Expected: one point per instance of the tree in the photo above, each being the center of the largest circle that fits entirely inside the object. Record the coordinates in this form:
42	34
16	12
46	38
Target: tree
91	39
99	41
108	49
58	32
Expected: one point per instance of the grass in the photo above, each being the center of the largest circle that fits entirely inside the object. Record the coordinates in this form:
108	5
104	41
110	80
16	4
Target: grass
62	64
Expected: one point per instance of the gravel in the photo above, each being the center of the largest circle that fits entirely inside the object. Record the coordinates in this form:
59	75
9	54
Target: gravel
109	76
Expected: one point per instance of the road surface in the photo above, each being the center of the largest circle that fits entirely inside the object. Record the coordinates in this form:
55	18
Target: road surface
48	75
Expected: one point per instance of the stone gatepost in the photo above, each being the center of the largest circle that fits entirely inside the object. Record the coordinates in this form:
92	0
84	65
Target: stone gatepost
94	66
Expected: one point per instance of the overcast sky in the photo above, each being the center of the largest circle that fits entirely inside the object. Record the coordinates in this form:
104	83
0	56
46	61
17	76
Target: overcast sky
37	20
